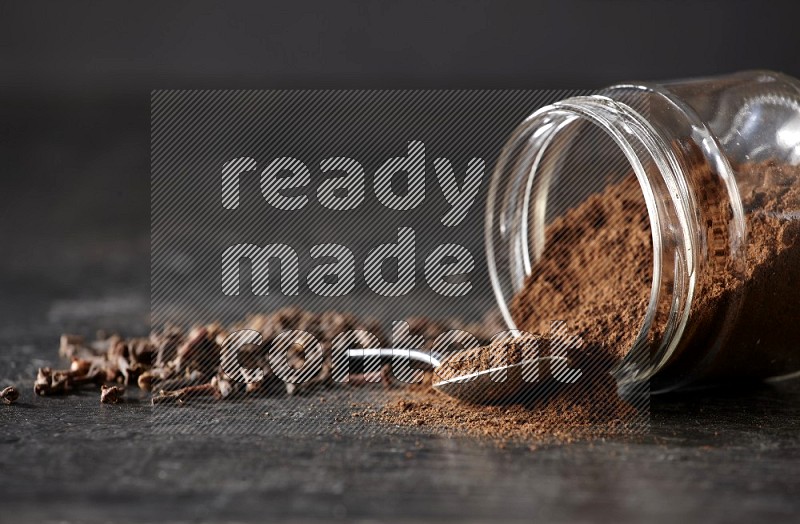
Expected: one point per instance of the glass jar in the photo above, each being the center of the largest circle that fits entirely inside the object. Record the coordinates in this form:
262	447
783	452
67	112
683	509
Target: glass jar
717	164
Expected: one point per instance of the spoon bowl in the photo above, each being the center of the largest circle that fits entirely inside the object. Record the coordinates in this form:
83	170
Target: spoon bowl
487	386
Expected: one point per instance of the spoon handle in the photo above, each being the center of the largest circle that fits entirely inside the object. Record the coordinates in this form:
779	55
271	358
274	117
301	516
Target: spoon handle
411	354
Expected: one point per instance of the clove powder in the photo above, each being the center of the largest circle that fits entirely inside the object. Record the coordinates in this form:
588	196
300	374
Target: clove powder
597	276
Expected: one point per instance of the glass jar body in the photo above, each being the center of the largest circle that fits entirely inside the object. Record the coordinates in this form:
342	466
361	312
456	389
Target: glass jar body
717	163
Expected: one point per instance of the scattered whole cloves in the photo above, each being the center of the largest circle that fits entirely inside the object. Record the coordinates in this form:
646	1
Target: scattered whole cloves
111	394
59	381
178	365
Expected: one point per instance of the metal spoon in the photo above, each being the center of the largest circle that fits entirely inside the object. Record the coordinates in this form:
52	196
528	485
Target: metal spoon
482	387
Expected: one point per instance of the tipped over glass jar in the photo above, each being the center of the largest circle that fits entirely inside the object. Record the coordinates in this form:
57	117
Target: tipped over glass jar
661	220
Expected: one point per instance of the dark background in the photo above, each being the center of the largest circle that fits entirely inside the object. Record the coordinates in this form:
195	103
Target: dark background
75	79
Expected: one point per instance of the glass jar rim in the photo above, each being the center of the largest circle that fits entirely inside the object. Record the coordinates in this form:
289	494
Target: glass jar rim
657	171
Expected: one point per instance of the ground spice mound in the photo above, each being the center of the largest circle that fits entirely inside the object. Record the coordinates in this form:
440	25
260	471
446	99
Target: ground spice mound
500	353
597	269
517	408
565	415
744	320
511	385
596	272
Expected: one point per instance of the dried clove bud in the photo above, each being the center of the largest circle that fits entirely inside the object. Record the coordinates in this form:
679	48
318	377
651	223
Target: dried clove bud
166	345
117	348
74	346
145	381
157	376
223	385
111	394
9	395
59	382
141	351
44	384
180	396
195	378
123	366
94	378
200	352
134	372
323	378
383	377
270	385
80	366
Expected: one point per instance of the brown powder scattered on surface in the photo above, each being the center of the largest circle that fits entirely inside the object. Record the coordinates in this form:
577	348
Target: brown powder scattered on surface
565	415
